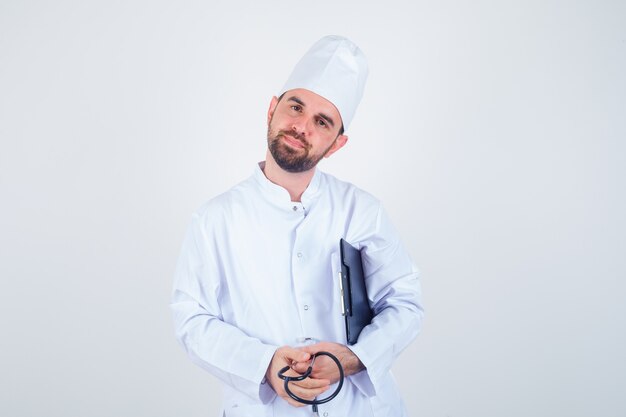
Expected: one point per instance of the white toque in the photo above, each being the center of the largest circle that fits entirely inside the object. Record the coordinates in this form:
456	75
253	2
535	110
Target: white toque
336	69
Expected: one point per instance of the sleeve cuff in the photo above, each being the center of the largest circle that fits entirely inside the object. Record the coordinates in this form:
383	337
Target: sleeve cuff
266	393
364	380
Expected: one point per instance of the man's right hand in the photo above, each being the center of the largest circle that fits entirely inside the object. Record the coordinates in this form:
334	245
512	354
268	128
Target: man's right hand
307	389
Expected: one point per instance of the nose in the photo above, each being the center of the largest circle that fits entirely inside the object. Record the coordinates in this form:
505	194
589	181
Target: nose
299	128
302	125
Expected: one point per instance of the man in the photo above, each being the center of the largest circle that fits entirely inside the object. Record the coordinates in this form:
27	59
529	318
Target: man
258	272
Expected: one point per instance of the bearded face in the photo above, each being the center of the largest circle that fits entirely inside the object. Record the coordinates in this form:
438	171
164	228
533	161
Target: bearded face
291	151
303	128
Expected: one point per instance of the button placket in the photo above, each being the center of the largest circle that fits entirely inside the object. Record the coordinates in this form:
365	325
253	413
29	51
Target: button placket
299	280
298	208
300	258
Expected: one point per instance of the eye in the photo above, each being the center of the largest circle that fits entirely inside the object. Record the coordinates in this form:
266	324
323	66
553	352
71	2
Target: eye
296	107
322	122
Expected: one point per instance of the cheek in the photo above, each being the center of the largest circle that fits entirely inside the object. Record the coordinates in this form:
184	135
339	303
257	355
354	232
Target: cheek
323	146
283	121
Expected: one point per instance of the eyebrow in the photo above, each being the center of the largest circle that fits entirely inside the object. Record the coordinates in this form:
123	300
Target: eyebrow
297	100
322	115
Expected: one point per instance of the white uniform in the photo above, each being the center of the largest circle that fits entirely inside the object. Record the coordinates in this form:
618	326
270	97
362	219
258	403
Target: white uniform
258	271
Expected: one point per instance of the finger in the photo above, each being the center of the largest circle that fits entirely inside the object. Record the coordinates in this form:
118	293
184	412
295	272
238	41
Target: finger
327	374
323	368
330	373
307	394
292	372
292	354
301	367
291	401
311	383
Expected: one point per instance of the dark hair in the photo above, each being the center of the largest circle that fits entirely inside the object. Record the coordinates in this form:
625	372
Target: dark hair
340	129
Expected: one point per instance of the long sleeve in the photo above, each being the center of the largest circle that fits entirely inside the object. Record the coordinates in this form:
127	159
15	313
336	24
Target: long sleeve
258	271
216	346
395	295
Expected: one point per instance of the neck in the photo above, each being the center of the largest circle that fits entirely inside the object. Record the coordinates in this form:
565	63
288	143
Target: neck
294	182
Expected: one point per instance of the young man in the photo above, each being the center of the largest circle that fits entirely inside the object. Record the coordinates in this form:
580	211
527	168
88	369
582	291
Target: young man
258	274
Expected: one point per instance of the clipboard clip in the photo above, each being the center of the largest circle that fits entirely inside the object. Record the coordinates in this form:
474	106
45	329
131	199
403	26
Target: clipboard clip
343	304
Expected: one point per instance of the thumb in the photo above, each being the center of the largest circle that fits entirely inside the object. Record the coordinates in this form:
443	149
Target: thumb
310	349
295	354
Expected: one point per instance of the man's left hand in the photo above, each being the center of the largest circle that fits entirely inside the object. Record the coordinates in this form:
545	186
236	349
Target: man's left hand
324	367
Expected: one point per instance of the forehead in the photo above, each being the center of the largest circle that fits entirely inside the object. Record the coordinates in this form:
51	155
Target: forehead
313	102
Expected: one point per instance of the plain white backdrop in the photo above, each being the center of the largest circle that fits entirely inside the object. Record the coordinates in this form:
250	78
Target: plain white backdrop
493	131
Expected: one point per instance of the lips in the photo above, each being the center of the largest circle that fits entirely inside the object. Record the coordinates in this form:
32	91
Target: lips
293	142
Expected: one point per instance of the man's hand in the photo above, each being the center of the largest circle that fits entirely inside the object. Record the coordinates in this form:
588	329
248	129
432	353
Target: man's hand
307	389
324	367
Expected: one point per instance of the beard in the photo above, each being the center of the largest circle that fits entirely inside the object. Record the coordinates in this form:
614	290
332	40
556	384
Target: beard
288	158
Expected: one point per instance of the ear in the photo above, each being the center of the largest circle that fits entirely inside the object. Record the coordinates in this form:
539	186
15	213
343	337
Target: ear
270	111
337	144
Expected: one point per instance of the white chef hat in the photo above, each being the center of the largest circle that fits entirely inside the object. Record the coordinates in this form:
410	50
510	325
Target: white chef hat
336	69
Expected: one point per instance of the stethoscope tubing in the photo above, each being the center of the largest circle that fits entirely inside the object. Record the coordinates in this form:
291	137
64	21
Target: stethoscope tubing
287	379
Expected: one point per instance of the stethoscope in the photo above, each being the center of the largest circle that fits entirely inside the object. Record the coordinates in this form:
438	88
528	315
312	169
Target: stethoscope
315	402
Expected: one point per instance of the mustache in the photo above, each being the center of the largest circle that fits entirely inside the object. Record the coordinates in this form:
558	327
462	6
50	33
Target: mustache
294	135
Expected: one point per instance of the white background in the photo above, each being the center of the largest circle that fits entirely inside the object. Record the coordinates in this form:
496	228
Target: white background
493	131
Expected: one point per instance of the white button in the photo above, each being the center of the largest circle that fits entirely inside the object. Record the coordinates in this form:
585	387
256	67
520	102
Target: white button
306	307
299	254
325	413
295	208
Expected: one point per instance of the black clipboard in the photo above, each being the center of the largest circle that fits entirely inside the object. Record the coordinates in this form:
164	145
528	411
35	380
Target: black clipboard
354	303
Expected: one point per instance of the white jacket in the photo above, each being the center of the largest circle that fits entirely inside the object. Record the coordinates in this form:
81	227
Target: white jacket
258	271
